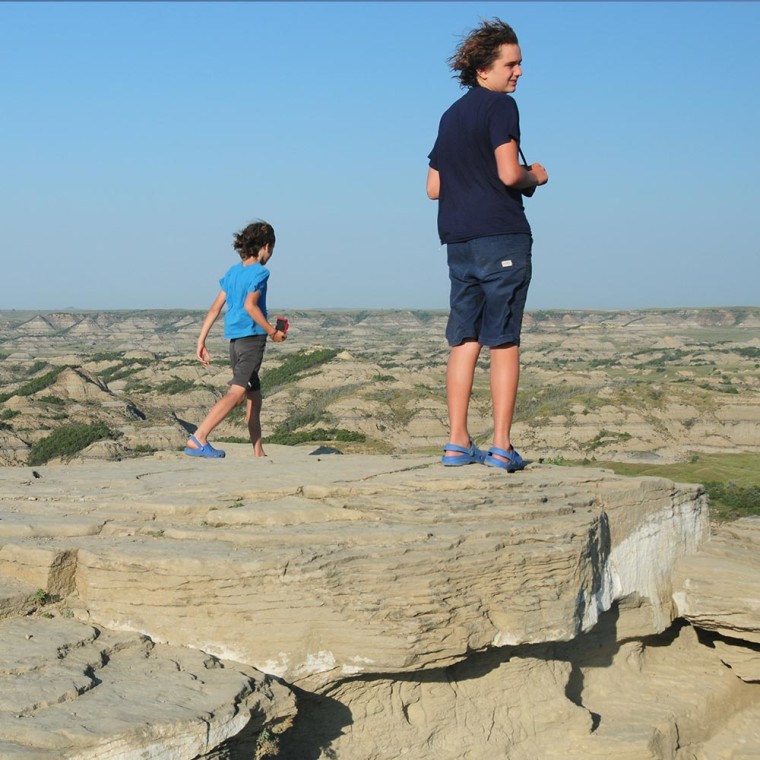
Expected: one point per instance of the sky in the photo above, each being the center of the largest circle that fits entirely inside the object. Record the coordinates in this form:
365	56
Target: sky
137	137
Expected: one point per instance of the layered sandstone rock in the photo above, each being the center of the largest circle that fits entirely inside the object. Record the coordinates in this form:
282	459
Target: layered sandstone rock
70	690
418	611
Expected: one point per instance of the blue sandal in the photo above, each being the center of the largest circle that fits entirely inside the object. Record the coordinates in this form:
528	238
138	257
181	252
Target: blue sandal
207	451
473	455
514	460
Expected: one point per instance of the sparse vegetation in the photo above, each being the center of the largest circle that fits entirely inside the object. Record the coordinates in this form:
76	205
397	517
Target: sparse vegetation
267	745
144	448
36	367
318	434
56	400
294	367
35	385
175	385
732	481
121	371
606	438
67	441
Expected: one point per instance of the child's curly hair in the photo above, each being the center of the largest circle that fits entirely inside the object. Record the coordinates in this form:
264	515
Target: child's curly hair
479	49
249	241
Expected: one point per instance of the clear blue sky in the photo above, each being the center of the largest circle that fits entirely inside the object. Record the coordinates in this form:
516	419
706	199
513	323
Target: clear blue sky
137	137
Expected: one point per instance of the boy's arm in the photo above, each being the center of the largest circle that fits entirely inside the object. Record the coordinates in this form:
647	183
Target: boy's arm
200	348
512	173
257	315
433	186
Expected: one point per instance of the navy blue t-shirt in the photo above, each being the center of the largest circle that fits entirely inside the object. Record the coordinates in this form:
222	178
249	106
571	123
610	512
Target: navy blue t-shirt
473	201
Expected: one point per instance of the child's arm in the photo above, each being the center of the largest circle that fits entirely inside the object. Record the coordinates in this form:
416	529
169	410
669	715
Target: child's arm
257	315
200	349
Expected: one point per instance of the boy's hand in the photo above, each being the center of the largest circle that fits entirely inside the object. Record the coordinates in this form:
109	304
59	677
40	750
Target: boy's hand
278	336
203	355
539	172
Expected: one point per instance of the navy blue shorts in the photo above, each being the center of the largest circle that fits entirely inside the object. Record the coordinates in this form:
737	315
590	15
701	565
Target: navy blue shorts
246	355
489	284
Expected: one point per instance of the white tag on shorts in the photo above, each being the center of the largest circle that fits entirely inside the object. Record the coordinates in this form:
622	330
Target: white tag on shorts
506	263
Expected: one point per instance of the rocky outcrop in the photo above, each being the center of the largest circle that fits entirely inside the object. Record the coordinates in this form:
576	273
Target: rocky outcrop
414	610
718	590
71	690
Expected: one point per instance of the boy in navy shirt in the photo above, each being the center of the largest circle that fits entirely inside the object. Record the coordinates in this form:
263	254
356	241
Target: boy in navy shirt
476	176
244	290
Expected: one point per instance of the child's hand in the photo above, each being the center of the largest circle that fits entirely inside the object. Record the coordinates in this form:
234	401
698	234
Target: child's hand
278	336
203	355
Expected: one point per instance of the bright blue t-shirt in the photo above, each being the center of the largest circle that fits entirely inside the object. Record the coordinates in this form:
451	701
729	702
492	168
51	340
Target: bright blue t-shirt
473	201
239	281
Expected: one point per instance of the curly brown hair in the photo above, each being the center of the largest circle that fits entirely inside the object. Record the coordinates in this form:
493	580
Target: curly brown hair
479	49
249	241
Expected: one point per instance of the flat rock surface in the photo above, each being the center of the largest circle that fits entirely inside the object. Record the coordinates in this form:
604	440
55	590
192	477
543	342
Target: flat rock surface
319	567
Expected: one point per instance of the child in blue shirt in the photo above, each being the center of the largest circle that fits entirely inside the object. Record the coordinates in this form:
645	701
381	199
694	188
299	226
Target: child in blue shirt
244	290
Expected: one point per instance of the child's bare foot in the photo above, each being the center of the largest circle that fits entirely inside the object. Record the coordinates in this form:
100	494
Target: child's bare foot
258	451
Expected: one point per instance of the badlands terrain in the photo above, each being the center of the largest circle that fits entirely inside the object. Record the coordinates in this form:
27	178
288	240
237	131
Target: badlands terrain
638	386
375	605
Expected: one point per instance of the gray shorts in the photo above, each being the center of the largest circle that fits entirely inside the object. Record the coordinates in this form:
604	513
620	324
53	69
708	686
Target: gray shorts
246	355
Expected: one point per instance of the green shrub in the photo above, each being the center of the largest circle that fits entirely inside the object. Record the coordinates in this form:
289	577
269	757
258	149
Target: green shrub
318	434
35	385
107	356
295	365
67	441
120	371
53	400
36	367
176	385
732	499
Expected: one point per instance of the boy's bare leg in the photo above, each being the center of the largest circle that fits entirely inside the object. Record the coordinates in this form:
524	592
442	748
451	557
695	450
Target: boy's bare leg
459	376
253	418
218	412
505	376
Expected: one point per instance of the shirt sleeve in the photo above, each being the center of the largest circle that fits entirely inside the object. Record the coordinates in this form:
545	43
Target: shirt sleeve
259	281
433	156
504	122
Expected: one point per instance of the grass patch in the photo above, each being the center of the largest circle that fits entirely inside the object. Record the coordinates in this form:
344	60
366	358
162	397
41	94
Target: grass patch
57	400
606	438
120	371
67	441
556	400
732	481
34	386
295	365
36	367
317	435
176	385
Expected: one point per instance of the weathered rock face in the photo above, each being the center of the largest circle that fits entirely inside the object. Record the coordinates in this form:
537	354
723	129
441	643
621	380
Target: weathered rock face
717	588
73	690
417	611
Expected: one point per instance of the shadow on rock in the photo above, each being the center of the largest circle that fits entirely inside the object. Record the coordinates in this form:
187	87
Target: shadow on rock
318	722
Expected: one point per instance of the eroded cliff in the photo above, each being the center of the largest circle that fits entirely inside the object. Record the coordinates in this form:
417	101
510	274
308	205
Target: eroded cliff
405	609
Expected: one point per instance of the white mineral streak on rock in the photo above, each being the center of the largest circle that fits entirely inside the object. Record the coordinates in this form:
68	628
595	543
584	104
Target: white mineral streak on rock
642	563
